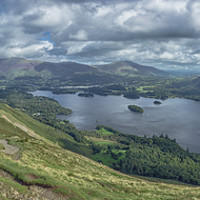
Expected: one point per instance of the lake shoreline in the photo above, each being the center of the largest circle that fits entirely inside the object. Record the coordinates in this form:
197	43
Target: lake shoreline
173	117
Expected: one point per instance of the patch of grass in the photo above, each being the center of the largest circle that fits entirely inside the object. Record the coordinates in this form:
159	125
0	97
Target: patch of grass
48	132
106	159
9	130
3	198
103	132
20	173
9	183
2	147
160	180
101	141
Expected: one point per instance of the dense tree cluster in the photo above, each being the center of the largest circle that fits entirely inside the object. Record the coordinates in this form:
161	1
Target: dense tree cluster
135	108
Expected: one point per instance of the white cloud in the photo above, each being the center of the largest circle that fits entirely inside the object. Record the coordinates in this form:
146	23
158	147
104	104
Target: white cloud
50	16
76	47
126	15
103	10
159	31
29	51
80	35
195	14
167	6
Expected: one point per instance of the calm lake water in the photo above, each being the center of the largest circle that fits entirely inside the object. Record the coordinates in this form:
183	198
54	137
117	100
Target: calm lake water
178	118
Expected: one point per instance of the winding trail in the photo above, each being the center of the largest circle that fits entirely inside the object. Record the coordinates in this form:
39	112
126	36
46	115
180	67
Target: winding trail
23	128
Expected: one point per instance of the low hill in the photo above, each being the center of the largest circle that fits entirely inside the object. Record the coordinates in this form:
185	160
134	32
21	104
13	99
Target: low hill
188	87
22	67
64	68
17	67
32	167
130	68
196	82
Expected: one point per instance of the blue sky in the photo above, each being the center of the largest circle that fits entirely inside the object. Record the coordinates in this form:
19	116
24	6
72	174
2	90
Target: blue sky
160	33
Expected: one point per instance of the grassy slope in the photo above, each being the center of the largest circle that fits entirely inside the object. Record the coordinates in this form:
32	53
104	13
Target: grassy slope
45	131
43	163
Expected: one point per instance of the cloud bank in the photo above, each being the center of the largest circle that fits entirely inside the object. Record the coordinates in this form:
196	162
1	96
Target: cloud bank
161	33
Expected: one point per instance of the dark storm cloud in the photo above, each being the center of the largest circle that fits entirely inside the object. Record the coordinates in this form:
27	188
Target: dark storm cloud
157	31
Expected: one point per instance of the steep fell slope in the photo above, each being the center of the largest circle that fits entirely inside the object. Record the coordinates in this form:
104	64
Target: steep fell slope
40	169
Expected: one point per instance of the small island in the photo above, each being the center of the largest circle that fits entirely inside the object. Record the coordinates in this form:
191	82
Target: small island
85	95
157	102
135	108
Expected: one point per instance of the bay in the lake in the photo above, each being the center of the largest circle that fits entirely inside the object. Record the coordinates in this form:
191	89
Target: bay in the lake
178	118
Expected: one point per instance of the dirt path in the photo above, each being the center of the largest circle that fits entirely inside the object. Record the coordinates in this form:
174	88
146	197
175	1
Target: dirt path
9	149
29	132
34	192
6	118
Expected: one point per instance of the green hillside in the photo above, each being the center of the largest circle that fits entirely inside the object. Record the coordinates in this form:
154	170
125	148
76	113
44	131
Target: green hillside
13	67
129	68
34	167
64	68
187	88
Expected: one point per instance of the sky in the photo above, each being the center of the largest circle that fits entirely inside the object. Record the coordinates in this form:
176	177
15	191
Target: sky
159	33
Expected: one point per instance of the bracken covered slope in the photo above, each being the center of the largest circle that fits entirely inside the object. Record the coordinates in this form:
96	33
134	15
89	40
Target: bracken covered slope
32	167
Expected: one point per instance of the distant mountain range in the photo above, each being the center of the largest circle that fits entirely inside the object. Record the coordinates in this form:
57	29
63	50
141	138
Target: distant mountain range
15	67
130	68
64	68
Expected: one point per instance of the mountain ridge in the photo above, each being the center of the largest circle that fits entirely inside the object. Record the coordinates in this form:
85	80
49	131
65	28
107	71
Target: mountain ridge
8	66
131	68
21	67
64	68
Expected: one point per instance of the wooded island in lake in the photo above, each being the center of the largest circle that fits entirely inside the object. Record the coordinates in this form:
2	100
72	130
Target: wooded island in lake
157	102
135	108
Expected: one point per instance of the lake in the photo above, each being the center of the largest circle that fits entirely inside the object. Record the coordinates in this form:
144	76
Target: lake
178	118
